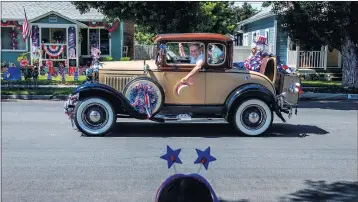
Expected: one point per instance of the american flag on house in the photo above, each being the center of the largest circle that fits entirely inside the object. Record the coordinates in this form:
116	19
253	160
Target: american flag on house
25	28
181	50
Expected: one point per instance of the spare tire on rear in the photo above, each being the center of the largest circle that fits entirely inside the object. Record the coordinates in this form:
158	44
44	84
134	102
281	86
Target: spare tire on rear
136	89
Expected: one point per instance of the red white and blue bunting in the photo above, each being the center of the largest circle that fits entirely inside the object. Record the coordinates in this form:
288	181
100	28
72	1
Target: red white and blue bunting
110	27
54	50
11	23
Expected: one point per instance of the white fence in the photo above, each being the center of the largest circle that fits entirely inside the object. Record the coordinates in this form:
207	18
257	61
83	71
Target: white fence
144	52
241	53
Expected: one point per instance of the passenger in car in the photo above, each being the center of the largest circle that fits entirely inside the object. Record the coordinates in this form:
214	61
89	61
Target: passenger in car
197	57
255	60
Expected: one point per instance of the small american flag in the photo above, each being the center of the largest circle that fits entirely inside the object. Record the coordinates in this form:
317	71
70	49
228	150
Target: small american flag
261	39
181	50
147	105
25	28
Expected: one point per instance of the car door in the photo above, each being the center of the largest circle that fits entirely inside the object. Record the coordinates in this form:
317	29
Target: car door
220	81
171	72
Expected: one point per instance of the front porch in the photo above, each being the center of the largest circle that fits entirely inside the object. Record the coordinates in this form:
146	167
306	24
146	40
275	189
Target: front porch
320	59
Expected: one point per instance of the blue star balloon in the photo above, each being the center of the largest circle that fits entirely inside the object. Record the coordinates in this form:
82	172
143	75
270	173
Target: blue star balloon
172	156
204	157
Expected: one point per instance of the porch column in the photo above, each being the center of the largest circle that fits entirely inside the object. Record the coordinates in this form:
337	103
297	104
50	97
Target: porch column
297	56
325	57
34	44
72	45
339	59
77	47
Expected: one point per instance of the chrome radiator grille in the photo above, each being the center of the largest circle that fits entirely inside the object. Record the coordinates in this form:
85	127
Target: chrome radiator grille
118	82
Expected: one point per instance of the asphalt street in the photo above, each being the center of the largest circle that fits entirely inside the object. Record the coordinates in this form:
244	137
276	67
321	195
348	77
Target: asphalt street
312	157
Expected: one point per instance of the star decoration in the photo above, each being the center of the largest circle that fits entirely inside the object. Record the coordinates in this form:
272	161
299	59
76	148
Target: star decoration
204	157
172	156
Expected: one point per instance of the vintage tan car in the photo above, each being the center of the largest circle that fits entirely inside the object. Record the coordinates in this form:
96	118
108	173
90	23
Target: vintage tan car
152	89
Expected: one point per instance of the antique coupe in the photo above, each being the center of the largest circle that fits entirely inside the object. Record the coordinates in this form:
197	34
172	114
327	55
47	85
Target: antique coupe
152	89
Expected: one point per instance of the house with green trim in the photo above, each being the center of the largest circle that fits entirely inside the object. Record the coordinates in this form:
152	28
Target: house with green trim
266	23
60	33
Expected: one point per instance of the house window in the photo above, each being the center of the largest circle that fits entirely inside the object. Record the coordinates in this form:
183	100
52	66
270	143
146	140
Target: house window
267	35
98	37
255	34
6	39
245	40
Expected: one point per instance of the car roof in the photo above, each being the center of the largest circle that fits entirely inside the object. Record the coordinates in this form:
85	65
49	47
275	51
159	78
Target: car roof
191	36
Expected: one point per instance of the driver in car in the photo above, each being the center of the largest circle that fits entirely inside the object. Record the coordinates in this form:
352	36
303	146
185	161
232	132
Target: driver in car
196	57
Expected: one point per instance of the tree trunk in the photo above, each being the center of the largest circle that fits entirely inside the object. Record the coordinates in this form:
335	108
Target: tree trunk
349	63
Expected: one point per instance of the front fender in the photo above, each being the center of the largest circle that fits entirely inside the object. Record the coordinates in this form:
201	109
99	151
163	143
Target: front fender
248	91
112	95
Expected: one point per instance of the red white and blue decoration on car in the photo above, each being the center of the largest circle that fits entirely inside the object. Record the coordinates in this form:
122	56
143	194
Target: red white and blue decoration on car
54	50
144	98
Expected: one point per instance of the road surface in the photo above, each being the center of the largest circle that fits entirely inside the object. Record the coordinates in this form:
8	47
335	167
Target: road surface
313	156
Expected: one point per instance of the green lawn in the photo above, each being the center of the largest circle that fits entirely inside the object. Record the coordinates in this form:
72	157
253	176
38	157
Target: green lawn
321	83
42	80
40	91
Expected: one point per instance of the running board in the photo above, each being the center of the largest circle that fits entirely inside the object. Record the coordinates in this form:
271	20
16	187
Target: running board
178	118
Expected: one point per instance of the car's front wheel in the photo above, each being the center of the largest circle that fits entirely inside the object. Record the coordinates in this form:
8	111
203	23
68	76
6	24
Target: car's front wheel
95	116
252	117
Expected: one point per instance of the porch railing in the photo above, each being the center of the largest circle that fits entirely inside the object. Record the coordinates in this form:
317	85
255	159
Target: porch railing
307	59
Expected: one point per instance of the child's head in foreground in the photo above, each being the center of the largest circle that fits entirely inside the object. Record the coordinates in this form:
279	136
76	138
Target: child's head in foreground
185	189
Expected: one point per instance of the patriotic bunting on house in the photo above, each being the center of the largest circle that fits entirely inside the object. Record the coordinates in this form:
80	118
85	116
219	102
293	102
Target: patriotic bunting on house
110	28
5	23
54	50
11	23
113	27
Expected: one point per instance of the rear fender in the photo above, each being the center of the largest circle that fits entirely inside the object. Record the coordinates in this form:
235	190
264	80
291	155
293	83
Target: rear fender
116	98
248	91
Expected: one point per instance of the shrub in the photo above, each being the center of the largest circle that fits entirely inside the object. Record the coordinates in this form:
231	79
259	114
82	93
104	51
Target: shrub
125	59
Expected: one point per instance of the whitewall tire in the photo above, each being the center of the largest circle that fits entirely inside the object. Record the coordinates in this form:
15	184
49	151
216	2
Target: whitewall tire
95	116
252	117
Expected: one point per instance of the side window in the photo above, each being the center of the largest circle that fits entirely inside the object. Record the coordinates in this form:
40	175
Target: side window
216	54
184	53
246	40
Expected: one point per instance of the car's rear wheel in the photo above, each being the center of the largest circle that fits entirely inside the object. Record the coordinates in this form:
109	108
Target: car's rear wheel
95	116
252	117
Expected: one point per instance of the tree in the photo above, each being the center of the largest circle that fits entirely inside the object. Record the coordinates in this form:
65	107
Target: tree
312	24
266	3
169	16
245	12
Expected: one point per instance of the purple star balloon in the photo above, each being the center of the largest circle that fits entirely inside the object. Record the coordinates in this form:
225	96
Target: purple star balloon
204	157
172	156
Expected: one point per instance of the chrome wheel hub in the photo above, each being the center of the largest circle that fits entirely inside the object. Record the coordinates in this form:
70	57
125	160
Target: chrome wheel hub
94	116
254	117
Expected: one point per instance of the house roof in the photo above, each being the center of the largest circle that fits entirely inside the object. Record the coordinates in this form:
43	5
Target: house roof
264	13
14	10
60	15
